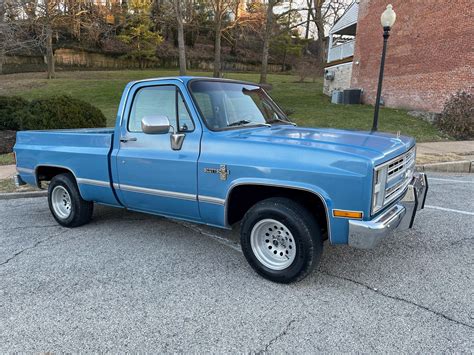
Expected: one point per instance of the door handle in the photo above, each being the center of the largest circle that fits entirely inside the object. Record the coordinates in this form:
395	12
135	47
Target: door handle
128	139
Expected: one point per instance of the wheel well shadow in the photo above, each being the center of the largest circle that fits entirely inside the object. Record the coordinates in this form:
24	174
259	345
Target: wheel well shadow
243	197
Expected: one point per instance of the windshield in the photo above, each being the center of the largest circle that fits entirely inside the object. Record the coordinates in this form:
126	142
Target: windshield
227	104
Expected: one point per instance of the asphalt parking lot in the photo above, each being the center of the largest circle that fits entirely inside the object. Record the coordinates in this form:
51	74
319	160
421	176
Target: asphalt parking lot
133	282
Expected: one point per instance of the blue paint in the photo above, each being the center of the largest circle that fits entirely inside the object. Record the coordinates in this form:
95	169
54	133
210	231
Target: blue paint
336	165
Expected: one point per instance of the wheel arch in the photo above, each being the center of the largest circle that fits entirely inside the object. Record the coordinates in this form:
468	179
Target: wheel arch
46	172
241	196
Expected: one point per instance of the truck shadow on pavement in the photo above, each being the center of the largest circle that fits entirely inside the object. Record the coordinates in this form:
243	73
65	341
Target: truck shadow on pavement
375	264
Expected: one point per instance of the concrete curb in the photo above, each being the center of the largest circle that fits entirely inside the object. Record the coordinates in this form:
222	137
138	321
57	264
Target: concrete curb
26	194
462	166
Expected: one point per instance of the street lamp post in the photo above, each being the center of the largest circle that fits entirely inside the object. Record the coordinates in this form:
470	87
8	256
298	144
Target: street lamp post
387	19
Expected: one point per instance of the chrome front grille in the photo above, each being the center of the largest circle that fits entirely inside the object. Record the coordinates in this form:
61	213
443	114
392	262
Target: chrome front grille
392	178
399	174
400	164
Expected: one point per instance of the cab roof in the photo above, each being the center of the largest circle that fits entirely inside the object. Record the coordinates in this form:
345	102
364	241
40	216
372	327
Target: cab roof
187	79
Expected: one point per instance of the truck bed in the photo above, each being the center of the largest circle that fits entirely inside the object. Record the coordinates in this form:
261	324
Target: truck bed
84	152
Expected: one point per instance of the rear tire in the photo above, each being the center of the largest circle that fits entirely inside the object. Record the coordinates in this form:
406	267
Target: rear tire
69	209
281	240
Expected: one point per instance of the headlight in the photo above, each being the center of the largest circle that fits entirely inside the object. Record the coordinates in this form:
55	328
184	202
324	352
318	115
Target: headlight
380	180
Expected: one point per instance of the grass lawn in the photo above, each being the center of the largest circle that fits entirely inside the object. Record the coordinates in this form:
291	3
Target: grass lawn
8	185
7	159
310	106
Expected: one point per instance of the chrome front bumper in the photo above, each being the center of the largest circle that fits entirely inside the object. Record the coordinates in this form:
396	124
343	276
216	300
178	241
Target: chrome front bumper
400	217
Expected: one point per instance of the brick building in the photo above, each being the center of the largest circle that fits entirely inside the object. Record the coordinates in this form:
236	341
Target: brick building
430	52
338	71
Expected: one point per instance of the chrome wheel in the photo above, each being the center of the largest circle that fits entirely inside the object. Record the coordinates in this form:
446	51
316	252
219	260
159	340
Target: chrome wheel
273	244
61	202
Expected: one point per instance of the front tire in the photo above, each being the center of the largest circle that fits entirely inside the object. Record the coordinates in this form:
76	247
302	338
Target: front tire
281	240
67	206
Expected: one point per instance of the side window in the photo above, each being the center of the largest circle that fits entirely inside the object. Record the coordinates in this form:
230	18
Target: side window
159	100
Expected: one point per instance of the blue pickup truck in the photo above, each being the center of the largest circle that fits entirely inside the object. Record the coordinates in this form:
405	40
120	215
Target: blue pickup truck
221	152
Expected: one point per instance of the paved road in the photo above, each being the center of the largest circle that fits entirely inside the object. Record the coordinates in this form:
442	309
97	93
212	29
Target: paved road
129	281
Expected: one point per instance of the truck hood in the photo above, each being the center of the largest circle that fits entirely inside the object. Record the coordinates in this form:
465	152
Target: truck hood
376	146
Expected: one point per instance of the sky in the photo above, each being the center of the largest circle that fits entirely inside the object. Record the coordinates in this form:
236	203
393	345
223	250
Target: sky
302	4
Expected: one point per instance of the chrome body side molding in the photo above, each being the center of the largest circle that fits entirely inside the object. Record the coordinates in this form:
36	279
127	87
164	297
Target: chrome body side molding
170	194
161	193
93	182
25	170
210	199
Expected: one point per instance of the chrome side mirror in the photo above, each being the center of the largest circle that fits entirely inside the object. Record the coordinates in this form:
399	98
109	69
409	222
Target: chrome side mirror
159	124
176	140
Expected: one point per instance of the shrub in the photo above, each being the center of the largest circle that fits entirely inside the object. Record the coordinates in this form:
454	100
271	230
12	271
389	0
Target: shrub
457	118
63	112
302	70
13	112
56	112
7	141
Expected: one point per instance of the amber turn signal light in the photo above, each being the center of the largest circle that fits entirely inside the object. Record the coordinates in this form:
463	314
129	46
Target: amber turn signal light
347	214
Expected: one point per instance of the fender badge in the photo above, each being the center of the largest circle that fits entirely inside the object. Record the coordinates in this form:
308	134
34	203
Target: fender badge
222	171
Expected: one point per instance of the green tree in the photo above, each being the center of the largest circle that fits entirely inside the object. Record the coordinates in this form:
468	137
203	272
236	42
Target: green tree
288	46
138	32
284	23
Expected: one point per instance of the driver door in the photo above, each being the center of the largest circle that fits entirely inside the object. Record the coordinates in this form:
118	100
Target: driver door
152	176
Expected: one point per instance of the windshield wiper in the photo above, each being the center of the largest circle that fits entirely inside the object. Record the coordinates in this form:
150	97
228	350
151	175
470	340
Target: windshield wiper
275	120
247	123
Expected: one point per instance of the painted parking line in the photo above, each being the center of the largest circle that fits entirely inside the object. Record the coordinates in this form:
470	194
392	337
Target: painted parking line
450	210
451	180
